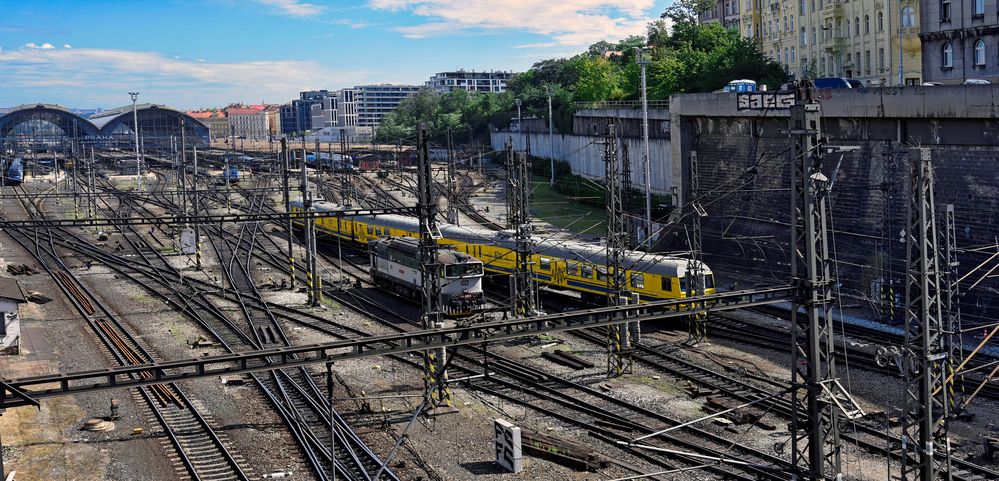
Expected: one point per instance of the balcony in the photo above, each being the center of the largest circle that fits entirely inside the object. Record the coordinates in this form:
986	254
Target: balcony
834	43
832	9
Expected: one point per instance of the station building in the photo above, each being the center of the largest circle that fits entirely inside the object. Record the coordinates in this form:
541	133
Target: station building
53	127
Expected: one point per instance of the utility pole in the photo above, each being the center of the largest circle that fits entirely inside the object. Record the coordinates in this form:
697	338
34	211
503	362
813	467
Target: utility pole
522	291
889	191
287	208
926	354
551	137
452	189
815	442
310	257
517	101
642	58
697	329
433	360
618	335
197	225
135	125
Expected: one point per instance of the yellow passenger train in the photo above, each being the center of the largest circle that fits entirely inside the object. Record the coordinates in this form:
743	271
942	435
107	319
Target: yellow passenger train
559	264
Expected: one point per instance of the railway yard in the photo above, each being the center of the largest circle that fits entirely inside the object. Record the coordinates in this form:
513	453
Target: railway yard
112	279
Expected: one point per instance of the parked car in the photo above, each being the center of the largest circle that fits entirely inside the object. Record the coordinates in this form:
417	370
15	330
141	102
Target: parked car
741	86
931	84
837	83
977	81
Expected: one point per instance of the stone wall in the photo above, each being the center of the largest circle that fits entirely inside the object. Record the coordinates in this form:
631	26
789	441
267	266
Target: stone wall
743	163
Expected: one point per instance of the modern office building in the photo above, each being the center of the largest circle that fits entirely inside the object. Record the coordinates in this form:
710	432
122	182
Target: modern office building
373	102
470	80
862	39
960	41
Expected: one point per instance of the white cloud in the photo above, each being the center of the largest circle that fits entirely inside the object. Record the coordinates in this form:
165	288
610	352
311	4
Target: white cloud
102	76
66	45
33	45
294	8
566	22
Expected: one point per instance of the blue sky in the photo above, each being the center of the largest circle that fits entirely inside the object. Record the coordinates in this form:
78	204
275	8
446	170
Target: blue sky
191	53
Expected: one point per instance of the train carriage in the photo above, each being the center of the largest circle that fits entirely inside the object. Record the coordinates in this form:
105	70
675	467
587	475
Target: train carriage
559	264
395	266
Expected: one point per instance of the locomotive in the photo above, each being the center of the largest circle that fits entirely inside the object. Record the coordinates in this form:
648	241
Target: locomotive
395	266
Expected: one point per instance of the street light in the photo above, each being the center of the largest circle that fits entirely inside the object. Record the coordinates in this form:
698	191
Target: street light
551	137
135	125
517	101
642	59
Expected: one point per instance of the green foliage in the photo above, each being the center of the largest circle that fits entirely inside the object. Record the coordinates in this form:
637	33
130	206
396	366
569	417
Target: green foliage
685	56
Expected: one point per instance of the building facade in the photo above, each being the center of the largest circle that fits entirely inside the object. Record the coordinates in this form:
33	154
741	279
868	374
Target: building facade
863	39
373	102
960	40
725	12
247	123
217	122
471	81
273	114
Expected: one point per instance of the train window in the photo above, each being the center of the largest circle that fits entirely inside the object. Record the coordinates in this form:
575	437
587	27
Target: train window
637	280
683	284
709	281
667	284
546	263
587	271
371	230
572	268
601	274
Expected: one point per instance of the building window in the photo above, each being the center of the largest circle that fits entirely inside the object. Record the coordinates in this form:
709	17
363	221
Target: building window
945	10
980	53
881	59
804	37
792	24
792	55
867	62
948	55
856	25
979	7
908	17
801	7
867	24
814	38
881	22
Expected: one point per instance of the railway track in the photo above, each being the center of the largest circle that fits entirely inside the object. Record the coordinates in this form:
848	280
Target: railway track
201	451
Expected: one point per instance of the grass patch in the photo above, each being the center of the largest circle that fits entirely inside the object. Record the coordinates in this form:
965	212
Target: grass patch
566	212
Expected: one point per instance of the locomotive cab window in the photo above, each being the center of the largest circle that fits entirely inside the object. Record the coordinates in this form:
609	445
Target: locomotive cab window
667	284
587	271
371	230
463	270
709	281
601	274
637	280
683	284
545	263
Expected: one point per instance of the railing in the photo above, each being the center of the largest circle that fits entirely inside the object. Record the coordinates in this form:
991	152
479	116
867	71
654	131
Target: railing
620	104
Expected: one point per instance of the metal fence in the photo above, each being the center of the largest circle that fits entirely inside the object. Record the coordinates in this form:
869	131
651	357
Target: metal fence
620	104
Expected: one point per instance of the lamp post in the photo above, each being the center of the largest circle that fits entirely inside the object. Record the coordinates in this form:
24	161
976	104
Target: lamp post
642	58
517	101
135	125
551	137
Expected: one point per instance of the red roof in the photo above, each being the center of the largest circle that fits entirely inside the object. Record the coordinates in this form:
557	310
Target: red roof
200	115
257	107
241	111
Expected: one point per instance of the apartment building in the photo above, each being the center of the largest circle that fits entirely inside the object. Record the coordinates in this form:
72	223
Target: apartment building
960	40
247	122
863	39
471	81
